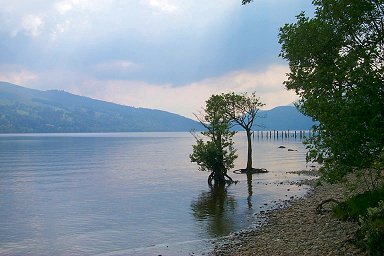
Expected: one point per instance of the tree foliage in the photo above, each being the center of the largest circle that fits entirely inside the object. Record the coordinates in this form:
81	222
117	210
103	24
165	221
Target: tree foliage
336	62
242	109
215	153
246	1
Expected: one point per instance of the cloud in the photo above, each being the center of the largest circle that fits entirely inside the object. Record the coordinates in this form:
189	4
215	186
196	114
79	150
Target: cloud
164	54
16	75
32	25
114	69
190	98
116	66
163	6
63	7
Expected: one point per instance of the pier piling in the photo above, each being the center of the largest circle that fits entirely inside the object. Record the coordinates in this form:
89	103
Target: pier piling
285	134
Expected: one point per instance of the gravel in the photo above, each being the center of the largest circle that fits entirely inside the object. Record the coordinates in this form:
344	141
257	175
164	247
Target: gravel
297	229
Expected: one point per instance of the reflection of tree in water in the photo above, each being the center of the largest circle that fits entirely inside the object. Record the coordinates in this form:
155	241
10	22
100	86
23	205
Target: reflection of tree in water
216	210
250	190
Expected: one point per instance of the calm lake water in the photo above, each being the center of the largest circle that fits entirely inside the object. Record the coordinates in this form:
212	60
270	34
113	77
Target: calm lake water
130	193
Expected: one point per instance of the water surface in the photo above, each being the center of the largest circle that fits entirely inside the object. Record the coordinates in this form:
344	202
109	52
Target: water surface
129	193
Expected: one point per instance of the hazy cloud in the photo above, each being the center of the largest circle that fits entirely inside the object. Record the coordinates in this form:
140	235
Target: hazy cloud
63	6
116	65
16	75
163	6
190	98
166	54
32	25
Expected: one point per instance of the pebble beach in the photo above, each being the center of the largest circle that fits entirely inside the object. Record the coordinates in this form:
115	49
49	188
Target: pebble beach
298	229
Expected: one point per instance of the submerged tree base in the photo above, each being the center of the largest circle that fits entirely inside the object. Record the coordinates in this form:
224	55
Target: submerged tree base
219	179
253	171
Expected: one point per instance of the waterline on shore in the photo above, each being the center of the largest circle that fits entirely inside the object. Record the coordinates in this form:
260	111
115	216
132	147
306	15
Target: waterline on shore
297	229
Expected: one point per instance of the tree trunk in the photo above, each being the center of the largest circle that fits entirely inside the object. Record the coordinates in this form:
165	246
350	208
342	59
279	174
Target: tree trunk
218	178
249	160
210	178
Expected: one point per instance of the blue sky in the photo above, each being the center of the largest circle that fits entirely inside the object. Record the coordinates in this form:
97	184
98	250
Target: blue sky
164	54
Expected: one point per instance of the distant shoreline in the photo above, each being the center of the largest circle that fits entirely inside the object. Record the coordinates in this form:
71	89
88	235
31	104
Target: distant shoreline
297	230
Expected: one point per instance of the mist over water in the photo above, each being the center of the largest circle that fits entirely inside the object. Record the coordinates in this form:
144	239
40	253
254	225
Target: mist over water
130	193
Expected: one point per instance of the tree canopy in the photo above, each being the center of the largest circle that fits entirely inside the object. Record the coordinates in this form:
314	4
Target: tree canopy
215	153
241	109
336	62
223	111
246	1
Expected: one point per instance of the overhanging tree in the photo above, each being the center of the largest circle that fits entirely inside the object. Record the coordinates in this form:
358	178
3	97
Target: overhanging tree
336	62
246	1
215	152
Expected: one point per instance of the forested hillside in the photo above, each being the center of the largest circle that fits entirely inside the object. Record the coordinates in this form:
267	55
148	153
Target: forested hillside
26	110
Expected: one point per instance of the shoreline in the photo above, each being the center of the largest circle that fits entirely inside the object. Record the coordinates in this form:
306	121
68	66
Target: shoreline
297	229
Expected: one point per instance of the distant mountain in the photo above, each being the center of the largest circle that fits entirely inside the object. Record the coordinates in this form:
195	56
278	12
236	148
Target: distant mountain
25	110
283	118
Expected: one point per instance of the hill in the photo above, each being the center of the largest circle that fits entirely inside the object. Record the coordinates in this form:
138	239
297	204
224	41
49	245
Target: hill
283	118
25	110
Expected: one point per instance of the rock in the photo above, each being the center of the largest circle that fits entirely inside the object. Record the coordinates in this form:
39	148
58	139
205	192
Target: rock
253	171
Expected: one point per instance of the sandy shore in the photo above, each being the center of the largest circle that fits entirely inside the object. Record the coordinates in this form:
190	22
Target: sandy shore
298	230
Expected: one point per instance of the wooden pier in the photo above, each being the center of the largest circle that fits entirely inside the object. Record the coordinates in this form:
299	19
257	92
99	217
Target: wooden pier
275	134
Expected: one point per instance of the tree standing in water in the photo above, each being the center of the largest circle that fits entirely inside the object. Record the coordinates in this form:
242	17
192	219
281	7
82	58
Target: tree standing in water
242	109
215	154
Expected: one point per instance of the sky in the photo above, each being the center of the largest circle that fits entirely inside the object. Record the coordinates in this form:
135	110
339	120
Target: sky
162	54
